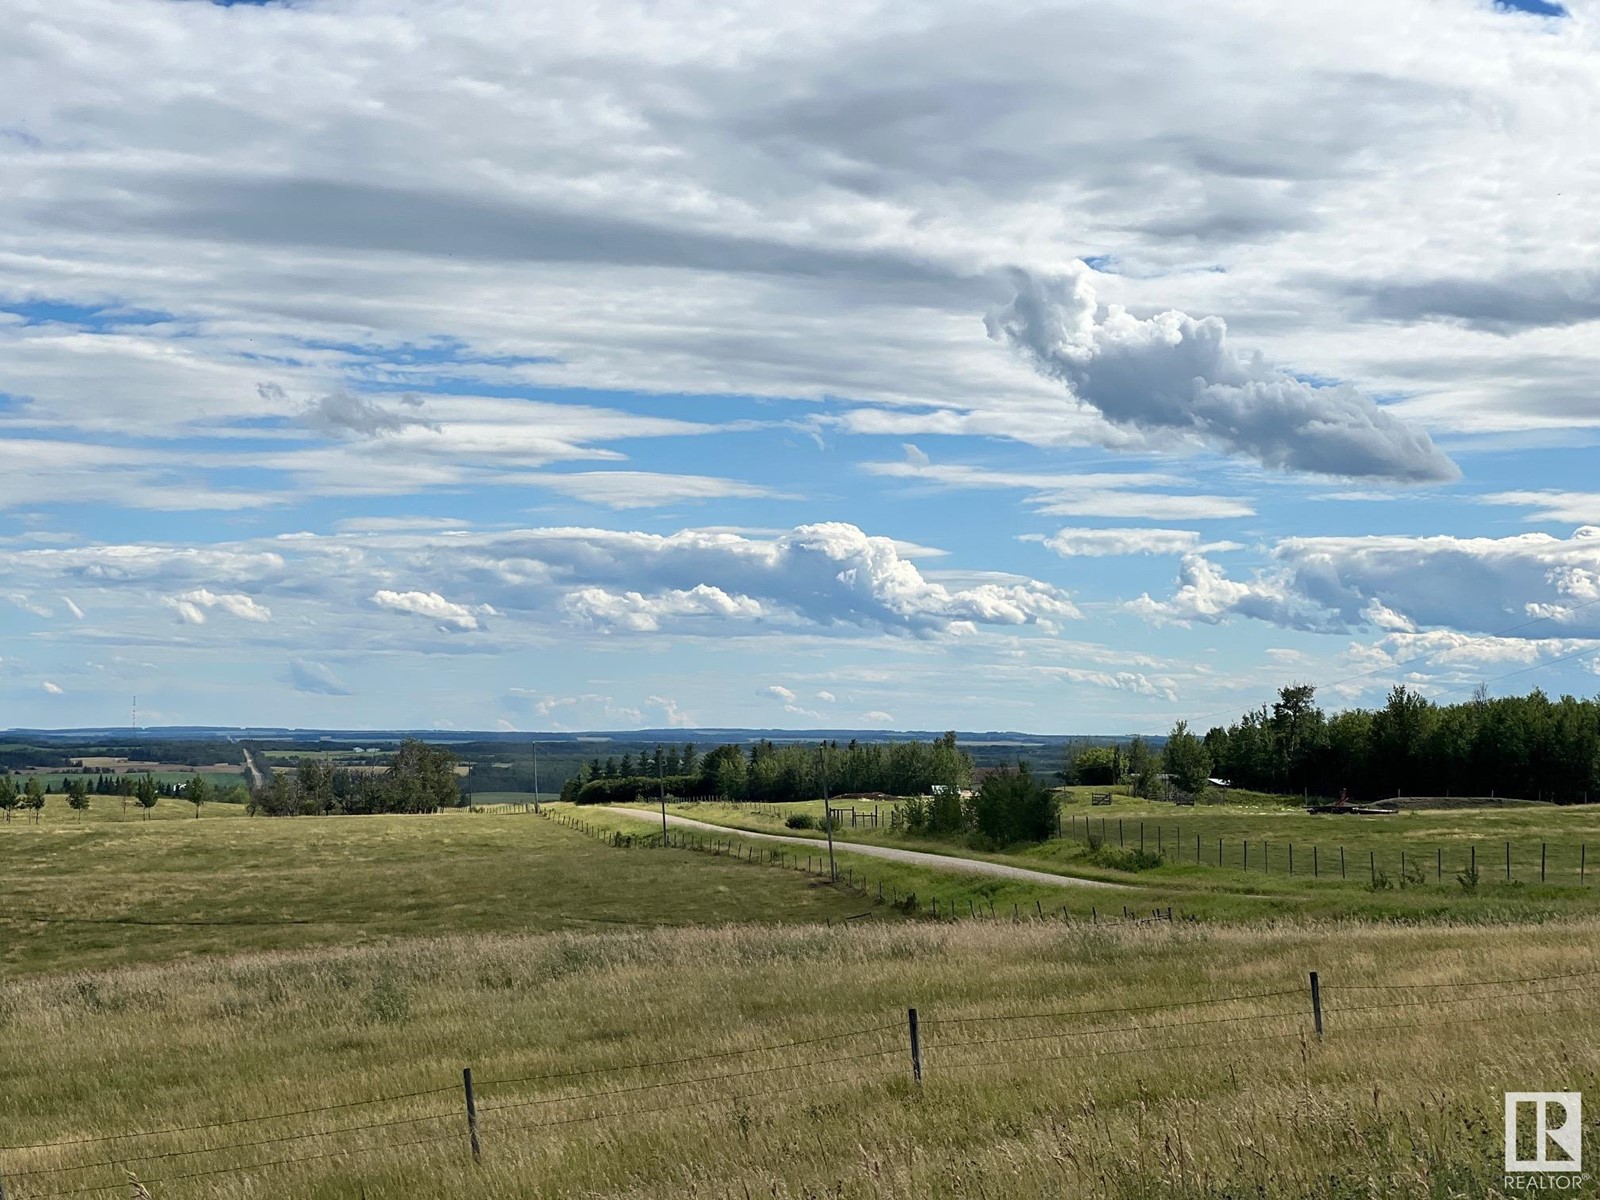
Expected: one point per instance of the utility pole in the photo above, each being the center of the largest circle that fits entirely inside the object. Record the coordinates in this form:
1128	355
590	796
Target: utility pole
536	777
827	813
661	781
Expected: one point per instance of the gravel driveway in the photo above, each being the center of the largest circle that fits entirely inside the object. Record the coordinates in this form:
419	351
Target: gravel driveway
920	858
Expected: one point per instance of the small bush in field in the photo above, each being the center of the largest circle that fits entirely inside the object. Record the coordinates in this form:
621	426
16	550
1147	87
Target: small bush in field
1125	860
801	821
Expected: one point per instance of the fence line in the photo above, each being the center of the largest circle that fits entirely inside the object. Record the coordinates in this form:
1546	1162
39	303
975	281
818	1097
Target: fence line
1413	869
928	1058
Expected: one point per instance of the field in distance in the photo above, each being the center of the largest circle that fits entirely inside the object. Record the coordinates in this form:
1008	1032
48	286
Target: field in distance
104	889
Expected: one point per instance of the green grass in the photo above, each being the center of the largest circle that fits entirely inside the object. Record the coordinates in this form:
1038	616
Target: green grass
1231	893
99	891
484	799
1198	1100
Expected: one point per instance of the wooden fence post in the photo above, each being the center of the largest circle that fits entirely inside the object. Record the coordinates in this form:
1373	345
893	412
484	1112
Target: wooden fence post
472	1115
916	1047
1316	1003
1438	865
1316	867
1541	861
1583	859
1341	863
1508	862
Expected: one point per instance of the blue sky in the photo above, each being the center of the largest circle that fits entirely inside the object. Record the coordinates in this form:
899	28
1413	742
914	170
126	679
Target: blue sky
1073	369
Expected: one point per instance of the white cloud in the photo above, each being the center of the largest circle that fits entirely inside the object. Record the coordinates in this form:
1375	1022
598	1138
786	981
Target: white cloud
448	614
670	712
1109	542
28	605
52	688
192	606
826	697
778	692
72	607
643	614
877	717
1532	585
1576	508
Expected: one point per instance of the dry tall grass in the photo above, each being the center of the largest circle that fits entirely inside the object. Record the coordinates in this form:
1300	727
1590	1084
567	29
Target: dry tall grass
1157	1087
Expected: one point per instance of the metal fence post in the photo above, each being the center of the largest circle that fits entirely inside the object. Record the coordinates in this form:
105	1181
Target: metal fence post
1316	1003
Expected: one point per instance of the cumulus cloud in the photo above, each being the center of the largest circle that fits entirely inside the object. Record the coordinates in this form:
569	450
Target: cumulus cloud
826	697
1097	543
643	614
670	712
192	606
52	688
315	678
1530	585
446	613
790	701
1174	373
826	574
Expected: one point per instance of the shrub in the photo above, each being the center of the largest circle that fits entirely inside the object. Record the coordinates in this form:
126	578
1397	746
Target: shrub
1125	860
801	821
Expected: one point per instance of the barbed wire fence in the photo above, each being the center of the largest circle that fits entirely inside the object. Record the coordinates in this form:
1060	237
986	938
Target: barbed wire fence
903	1055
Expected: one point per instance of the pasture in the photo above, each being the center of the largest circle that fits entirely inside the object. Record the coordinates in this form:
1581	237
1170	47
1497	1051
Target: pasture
1438	847
102	890
1130	1063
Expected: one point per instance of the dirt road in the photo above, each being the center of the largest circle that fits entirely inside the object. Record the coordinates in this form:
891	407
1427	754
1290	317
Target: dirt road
920	858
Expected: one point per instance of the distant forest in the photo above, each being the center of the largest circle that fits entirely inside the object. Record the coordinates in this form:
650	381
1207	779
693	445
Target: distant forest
772	773
1530	747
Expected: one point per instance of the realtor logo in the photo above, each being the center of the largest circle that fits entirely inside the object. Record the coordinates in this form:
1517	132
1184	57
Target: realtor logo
1555	1122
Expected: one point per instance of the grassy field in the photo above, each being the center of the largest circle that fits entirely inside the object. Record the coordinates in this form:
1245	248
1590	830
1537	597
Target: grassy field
1132	1063
1438	846
91	892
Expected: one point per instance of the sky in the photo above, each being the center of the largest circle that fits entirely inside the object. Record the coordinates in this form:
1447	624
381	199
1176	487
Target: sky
1067	367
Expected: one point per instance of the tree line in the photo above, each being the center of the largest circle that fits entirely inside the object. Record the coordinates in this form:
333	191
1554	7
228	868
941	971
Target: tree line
418	778
769	773
1530	747
1526	747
